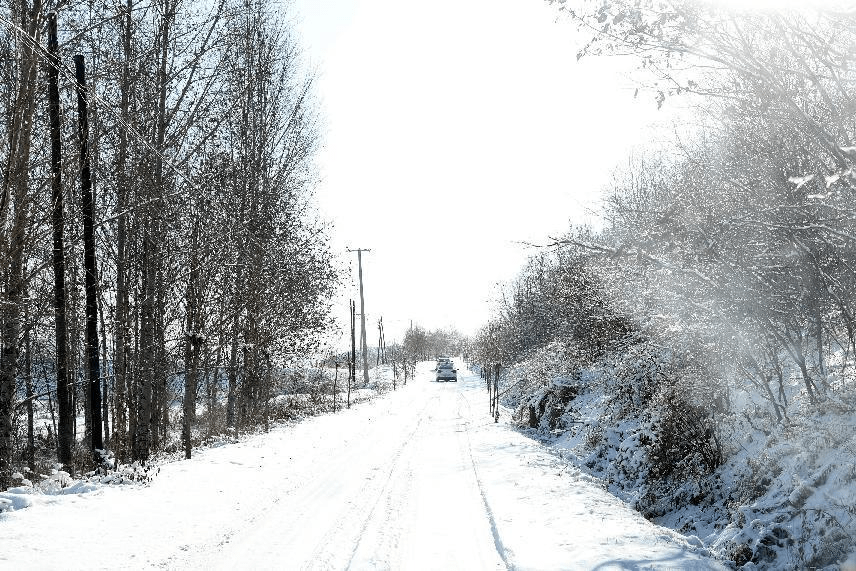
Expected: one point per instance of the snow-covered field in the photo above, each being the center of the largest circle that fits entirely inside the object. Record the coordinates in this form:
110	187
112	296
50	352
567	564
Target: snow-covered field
417	479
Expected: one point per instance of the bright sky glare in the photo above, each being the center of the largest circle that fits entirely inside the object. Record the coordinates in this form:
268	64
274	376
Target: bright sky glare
455	131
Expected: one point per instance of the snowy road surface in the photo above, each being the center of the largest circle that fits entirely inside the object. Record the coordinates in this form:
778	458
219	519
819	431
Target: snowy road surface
419	479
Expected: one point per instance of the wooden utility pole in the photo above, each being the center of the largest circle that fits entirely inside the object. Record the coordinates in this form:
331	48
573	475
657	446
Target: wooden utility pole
352	366
64	428
382	343
363	347
90	281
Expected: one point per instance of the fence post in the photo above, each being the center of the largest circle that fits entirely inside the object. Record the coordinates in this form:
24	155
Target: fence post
497	367
335	382
486	376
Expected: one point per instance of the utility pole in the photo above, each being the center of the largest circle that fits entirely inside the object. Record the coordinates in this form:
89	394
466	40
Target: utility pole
352	366
381	349
359	252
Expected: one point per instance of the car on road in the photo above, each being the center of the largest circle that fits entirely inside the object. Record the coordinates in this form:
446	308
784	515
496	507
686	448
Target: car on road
446	371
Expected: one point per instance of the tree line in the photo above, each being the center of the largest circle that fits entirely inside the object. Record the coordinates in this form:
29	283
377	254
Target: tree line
731	244
421	344
211	267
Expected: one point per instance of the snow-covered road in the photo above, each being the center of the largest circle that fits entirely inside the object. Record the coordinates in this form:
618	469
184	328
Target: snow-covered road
418	479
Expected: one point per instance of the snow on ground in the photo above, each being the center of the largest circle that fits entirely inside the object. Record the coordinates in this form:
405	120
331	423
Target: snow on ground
417	479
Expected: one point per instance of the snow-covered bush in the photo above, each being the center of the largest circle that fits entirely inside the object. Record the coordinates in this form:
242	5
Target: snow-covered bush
685	442
300	392
637	429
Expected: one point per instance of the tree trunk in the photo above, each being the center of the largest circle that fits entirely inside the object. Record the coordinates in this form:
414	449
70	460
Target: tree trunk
161	420
105	378
192	341
191	353
145	379
122	324
15	198
28	385
66	418
160	417
818	338
233	374
90	271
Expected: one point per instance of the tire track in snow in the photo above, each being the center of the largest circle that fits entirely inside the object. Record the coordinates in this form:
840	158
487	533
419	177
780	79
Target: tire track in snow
334	496
383	491
324	551
397	486
497	540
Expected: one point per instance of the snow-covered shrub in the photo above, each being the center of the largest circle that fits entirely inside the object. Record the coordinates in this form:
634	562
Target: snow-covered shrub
634	381
546	409
685	443
534	378
300	392
635	424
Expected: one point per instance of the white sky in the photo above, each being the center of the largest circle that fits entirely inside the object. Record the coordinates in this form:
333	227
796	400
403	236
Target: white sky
455	130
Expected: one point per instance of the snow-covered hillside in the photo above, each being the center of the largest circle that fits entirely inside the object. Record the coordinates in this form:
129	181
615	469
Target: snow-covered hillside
783	497
417	479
